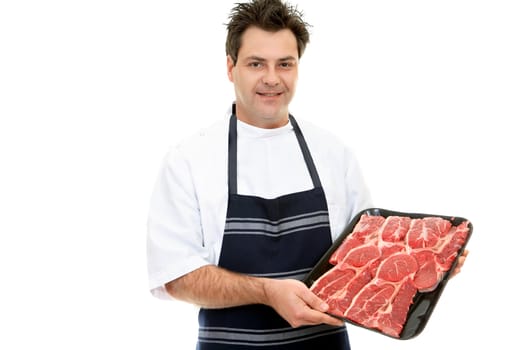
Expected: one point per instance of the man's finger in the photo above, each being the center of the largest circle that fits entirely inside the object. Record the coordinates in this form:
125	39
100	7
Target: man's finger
314	301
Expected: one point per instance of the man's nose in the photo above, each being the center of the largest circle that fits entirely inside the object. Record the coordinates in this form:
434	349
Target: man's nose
271	78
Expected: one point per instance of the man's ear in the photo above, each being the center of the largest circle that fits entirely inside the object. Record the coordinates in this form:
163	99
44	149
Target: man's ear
230	65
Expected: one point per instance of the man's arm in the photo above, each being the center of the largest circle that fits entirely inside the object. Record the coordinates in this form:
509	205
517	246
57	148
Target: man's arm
213	287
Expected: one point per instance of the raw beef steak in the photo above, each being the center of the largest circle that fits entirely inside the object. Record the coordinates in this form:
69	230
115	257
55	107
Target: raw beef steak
380	267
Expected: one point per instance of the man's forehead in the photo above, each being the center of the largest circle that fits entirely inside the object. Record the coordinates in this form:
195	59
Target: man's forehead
268	45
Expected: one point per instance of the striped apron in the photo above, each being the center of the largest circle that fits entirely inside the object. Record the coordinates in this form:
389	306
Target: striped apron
276	238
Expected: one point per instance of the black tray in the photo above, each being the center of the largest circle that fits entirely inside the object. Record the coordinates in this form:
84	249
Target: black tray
423	303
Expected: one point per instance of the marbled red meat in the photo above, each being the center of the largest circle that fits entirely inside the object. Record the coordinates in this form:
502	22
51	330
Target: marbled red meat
383	263
366	227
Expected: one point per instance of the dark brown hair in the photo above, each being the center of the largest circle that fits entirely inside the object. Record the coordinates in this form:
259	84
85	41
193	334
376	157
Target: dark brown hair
269	15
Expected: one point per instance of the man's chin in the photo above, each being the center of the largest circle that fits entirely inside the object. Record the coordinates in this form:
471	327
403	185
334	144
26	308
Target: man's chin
273	111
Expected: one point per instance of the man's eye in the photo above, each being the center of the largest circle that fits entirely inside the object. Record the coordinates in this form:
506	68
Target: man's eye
255	64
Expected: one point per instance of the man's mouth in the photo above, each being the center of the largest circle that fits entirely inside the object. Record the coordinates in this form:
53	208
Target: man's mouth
269	94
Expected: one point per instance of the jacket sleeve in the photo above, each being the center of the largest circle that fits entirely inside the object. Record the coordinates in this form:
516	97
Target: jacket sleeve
174	239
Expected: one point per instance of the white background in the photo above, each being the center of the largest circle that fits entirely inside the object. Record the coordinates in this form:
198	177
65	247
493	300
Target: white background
92	93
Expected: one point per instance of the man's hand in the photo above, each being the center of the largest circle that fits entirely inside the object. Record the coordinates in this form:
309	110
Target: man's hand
297	304
461	261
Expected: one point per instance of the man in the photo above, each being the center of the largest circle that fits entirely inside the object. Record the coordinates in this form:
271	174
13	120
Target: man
243	211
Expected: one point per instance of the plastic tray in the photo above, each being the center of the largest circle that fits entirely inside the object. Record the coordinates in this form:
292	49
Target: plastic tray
423	303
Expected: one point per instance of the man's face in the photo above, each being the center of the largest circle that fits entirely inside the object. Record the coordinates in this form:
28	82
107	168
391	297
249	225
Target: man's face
265	76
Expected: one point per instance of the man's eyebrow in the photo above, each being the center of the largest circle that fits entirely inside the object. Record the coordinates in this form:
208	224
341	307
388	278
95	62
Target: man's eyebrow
287	58
255	58
260	59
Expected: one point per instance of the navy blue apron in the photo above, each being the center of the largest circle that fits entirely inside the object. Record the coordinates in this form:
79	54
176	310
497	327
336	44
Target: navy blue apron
276	238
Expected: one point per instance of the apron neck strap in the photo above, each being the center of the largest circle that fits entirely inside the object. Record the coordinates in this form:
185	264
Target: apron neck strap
232	153
306	153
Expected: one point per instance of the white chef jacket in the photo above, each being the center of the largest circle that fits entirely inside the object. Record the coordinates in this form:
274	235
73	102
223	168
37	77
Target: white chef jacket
189	201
